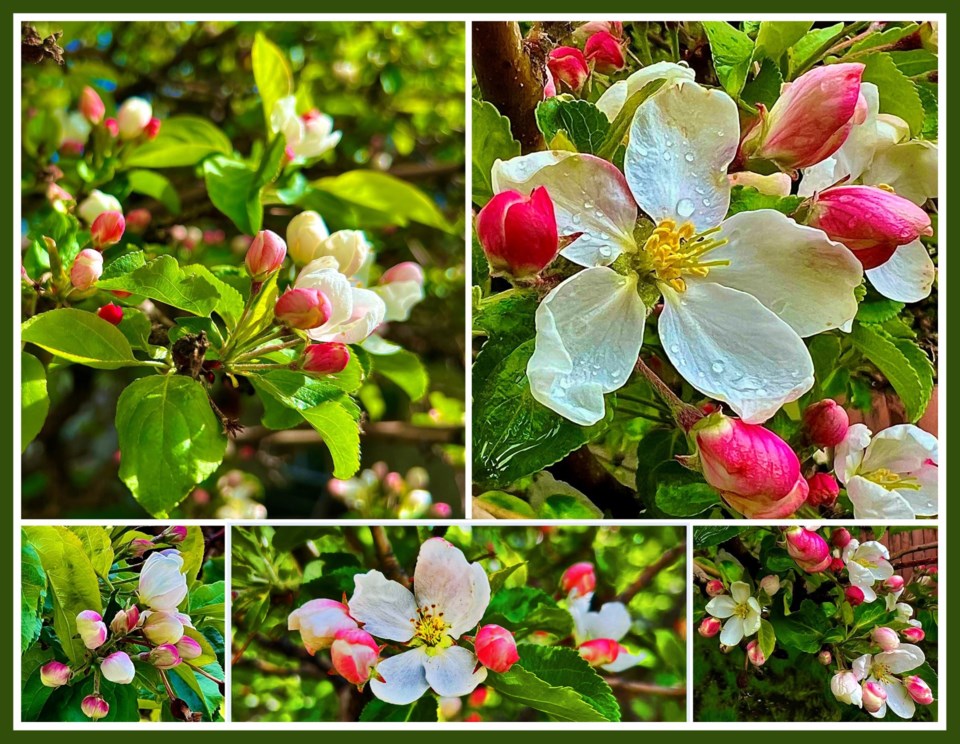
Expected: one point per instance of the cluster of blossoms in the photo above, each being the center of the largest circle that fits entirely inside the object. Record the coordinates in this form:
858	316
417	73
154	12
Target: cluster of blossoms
378	489
158	629
134	122
601	51
425	628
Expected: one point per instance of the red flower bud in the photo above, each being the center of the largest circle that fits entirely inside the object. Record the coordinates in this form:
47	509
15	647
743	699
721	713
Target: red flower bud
479	696
303	308
496	648
518	233
138	220
709	627
808	549
919	690
913	634
54	674
326	358
112	127
826	423
107	229
823	490
894	583
111	313
854	595
580	578
604	50
837	565
568	66
600	651
755	655
715	588
91	105
840	537
354	654
265	255
153	128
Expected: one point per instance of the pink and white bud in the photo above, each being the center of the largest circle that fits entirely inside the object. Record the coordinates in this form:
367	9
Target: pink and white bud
118	668
87	268
846	688
152	129
408	271
56	193
303	308
319	621
826	423
125	621
55	674
519	233
138	220
96	204
808	549
599	651
709	627
885	638
840	537
870	221
918	689
325	358
163	627
111	313
825	657
91	105
585	30
874	696
775	184
496	648
715	588
770	584
913	634
265	255
189	649
174	535
162	585
355	655
107	229
112	127
854	595
449	707
306	233
95	707
139	546
823	490
605	51
568	67
579	579
755	655
164	656
440	510
894	583
133	117
811	119
92	629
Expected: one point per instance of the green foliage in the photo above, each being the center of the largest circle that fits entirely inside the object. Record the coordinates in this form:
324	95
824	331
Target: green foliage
492	141
748	199
901	361
79	337
163	280
34	402
582	123
271	73
732	52
898	94
183	140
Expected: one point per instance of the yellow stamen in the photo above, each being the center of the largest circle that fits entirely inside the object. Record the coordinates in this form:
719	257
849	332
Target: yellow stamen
676	251
430	629
890	480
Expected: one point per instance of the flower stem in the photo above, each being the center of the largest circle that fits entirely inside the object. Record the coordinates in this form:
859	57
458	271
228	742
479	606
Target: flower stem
684	414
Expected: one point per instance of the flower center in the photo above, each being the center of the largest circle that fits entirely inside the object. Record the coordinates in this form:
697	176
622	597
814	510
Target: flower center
430	629
742	610
880	672
677	251
888	479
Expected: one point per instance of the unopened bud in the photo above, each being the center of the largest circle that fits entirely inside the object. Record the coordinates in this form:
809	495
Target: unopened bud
894	583
152	129
874	696
138	220
823	490
91	105
825	657
568	67
808	549
519	233
133	117
118	668
111	313
265	255
95	707
496	648
87	268
92	629
355	655
605	51
54	674
770	584
826	423
885	638
715	588
107	229
303	308
840	537
709	627
599	651
913	634
579	579
854	595
189	649
164	656
918	689
163	627
325	358
755	655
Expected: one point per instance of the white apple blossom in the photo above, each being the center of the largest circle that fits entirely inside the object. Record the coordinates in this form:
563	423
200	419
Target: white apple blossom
742	609
611	621
867	563
614	97
883	668
356	311
846	688
892	475
713	273
307	136
96	204
162	584
450	597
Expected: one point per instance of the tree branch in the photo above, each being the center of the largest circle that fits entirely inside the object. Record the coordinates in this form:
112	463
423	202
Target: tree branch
651	571
388	561
645	688
915	549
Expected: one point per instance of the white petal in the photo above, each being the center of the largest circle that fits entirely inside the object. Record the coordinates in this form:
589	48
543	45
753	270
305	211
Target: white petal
459	589
751	623
399	298
733	349
589	332
404	678
905	658
908	274
626	660
899	700
796	271
924	500
617	94
732	632
612	621
873	501
681	142
903	448
368	312
386	608
861	665
740	591
910	168
322	274
721	606
590	196
849	453
450	671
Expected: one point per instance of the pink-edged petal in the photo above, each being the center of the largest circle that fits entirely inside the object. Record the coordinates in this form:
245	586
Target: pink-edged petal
445	582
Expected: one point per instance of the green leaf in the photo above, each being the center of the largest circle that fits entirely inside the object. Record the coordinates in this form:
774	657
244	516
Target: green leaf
96	544
230	185
295	390
732	52
33	591
566	506
682	493
898	94
503	505
888	36
382	192
621	124
156	186
403	368
65	707
340	433
271	73
705	537
162	280
201	694
915	61
192	550
765	87
811	47
492	141
498	578
929	98
79	337
556	681
33	693
423	710
775	37
767	638
183	140
525	609
169	438
73	583
748	199
122	265
34	402
507	316
878	311
229	303
802	630
585	125
909	373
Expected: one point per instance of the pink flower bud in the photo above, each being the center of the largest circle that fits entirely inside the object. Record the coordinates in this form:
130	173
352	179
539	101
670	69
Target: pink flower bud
473	718
95	707
118	668
885	638
871	222
894	583
569	67
111	313
174	535
54	674
408	271
826	423
913	634
153	128
755	655
604	50
138	220
303	308
107	229
163	627
164	656
518	233
825	657
756	472
874	696
139	546
91	105
715	588
808	549
133	116
325	359
319	621
770	584
354	654
811	119
585	30
854	595
87	268
600	651
125	621
479	696
579	579
56	193
265	254
440	510
189	649
496	648
919	690
823	490
709	627
112	126
840	537
837	564
92	629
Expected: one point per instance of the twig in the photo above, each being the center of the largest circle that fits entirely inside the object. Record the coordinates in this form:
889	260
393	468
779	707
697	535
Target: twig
388	561
915	549
399	430
651	571
645	688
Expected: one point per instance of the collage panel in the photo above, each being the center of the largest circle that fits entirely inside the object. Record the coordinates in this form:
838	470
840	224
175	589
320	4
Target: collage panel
825	625
705	269
459	623
243	270
122	624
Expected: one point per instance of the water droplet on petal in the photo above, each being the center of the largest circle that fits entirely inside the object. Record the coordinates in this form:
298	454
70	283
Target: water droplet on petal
689	157
674	348
685	207
717	367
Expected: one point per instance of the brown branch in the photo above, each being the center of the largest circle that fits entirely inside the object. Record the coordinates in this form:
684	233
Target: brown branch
399	430
645	688
915	549
511	73
651	571
388	561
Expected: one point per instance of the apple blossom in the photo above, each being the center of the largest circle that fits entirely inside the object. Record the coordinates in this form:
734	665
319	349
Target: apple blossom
709	627
496	648
92	629
55	674
188	649
356	311
579	579
87	268
162	627
846	688
770	584
518	233
885	638
118	668
919	690
400	288
91	105
319	621
599	652
133	117
568	67
111	313
604	50
894	583
904	611
96	204
892	475
139	546
585	30
854	596
826	423
613	98
913	634
611	622
450	596
840	537
882	669
825	657
355	655
107	229
742	609
808	549
715	588
325	359
112	127
755	655
874	697
162	585
95	707
303	308
152	129
823	490
265	255
125	621
74	132
56	193
308	136
164	656
305	234
867	563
